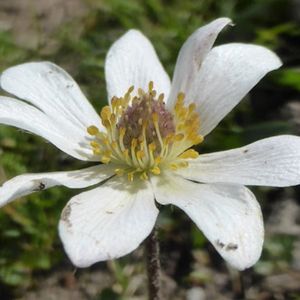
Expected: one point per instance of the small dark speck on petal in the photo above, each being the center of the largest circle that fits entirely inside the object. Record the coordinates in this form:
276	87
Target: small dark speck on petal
39	187
231	247
220	244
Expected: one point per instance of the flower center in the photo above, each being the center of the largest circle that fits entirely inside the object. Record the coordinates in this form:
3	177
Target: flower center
142	136
146	119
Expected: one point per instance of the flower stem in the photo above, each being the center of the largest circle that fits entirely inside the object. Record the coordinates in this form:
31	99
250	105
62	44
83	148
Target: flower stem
153	265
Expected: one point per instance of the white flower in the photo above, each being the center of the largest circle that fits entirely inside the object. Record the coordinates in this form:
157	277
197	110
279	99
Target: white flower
145	145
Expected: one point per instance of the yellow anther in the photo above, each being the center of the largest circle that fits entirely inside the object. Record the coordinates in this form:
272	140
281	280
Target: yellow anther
97	151
119	172
122	131
107	153
134	143
130	176
189	154
192	134
180	127
94	144
155	170
195	123
182	113
180	97
173	167
198	139
105	113
157	160
144	176
105	159
106	141
92	130
169	138
179	137
140	154
150	86
114	101
130	90
113	118
183	164
126	153
152	146
161	98
106	123
120	102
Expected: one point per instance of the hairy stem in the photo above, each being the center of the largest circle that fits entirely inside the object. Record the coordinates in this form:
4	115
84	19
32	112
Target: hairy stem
153	265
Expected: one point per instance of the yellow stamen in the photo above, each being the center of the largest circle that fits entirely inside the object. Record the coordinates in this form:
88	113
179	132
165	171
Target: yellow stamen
92	130
150	86
119	172
191	153
143	137
144	176
105	159
130	176
155	170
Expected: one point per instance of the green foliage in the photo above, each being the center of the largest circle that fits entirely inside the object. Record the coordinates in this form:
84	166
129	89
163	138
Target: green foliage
277	254
289	77
9	52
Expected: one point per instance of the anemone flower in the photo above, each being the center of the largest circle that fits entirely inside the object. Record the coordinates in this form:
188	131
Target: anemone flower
142	145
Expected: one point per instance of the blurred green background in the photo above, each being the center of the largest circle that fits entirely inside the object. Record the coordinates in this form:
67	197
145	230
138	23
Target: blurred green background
76	35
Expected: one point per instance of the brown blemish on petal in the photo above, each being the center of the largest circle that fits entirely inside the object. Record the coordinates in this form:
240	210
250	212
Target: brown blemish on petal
231	247
39	186
220	244
65	215
246	150
42	186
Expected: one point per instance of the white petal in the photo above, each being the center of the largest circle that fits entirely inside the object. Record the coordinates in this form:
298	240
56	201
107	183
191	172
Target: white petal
272	161
52	90
226	75
132	61
107	222
22	115
191	56
228	215
26	184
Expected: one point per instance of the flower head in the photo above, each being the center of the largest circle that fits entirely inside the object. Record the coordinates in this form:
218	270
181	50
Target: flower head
142	135
142	145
